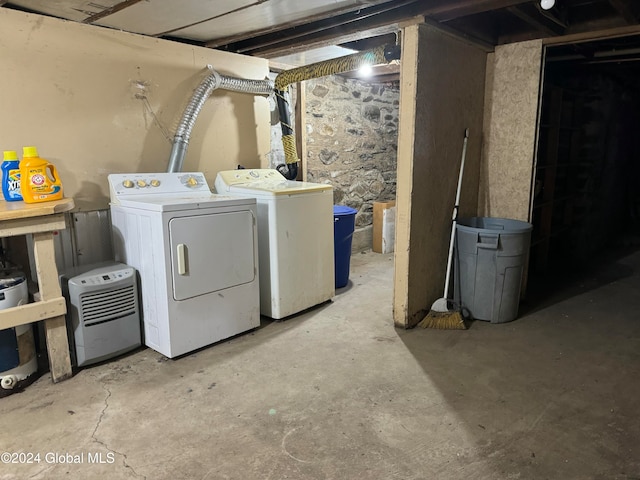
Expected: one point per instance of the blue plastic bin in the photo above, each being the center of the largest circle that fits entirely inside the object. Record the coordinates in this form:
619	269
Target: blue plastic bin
344	222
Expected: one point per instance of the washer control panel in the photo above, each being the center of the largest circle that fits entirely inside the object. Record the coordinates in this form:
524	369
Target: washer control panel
263	180
250	176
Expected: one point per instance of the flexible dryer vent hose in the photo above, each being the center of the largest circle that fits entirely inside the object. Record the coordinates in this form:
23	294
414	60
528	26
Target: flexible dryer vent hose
375	56
212	82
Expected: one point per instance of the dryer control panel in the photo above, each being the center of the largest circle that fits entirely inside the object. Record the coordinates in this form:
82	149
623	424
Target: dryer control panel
129	185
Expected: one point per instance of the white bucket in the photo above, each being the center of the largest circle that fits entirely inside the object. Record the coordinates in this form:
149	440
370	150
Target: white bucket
18	359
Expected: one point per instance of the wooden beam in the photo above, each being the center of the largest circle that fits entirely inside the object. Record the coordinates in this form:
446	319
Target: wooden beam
407	134
624	8
23	226
486	46
446	10
380	79
337	30
376	20
312	24
553	16
376	70
208	19
536	21
319	40
379	74
341	36
594	35
55	328
32	312
110	11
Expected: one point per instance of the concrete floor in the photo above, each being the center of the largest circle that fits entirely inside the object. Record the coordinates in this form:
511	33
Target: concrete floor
339	393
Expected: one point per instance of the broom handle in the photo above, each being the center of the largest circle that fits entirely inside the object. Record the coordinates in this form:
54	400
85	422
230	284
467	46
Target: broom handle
455	216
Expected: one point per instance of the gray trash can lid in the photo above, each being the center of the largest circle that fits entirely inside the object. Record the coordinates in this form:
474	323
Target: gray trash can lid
494	224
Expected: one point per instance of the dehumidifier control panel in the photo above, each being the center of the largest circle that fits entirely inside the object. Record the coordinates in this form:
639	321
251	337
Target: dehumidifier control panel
103	278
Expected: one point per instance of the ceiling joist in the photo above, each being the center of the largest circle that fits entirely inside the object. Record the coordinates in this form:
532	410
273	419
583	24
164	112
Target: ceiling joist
624	8
370	22
110	11
534	19
284	33
483	22
375	20
447	10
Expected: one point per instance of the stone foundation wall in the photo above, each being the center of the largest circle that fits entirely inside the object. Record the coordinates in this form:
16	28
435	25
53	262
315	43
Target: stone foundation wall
352	135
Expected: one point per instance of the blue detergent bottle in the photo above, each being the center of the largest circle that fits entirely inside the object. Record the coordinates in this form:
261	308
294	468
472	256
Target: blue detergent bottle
11	176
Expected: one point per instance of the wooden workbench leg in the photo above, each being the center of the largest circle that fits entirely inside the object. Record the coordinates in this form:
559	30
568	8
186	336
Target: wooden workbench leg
55	328
58	348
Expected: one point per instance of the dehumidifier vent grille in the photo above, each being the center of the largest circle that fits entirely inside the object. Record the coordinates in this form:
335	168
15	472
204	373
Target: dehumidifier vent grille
99	307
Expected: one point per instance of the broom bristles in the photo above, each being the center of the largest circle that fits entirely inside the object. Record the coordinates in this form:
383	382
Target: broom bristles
451	320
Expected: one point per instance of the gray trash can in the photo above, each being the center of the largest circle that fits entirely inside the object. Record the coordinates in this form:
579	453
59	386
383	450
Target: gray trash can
491	254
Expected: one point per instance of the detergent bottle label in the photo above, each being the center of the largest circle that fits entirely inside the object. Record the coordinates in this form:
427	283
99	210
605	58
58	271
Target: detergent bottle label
39	184
11	182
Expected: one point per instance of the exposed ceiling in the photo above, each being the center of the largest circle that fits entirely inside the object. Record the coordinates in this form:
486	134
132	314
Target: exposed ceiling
299	32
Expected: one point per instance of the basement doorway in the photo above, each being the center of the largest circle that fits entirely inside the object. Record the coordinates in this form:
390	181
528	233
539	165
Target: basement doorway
586	196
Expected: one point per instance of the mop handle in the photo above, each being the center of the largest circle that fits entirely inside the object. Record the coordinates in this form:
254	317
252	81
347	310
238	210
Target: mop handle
455	216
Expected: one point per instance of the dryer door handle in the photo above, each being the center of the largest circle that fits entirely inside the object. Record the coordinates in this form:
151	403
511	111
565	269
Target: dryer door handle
181	251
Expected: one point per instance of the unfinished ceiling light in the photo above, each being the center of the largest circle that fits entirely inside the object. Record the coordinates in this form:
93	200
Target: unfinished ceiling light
547	4
365	71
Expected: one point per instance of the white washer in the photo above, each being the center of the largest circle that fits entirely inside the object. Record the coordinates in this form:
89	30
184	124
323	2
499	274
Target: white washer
295	238
196	253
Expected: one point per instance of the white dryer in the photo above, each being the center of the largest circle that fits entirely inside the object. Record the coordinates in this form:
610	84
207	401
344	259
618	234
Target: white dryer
196	253
295	238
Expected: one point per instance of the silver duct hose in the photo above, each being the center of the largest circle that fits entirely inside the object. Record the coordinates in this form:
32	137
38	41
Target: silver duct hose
255	87
199	97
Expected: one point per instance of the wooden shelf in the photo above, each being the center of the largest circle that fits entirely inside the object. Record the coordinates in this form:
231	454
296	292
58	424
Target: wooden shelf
41	220
18	210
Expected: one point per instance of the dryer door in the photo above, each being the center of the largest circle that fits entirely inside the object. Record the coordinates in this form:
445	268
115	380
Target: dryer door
211	252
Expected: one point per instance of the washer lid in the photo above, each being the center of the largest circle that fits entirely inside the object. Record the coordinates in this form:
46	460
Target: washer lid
178	203
263	181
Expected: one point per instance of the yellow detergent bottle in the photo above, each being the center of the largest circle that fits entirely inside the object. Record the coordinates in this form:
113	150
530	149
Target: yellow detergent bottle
39	181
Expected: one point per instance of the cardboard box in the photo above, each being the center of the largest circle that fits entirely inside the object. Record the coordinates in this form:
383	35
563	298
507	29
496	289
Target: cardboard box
384	223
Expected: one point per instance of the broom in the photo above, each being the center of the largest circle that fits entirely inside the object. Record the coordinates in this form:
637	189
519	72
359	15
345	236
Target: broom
443	313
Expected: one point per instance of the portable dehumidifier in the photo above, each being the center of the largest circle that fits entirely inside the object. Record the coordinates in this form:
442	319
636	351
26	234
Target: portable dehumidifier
103	311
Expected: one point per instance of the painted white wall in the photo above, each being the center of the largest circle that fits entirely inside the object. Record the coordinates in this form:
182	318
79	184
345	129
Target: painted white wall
97	101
